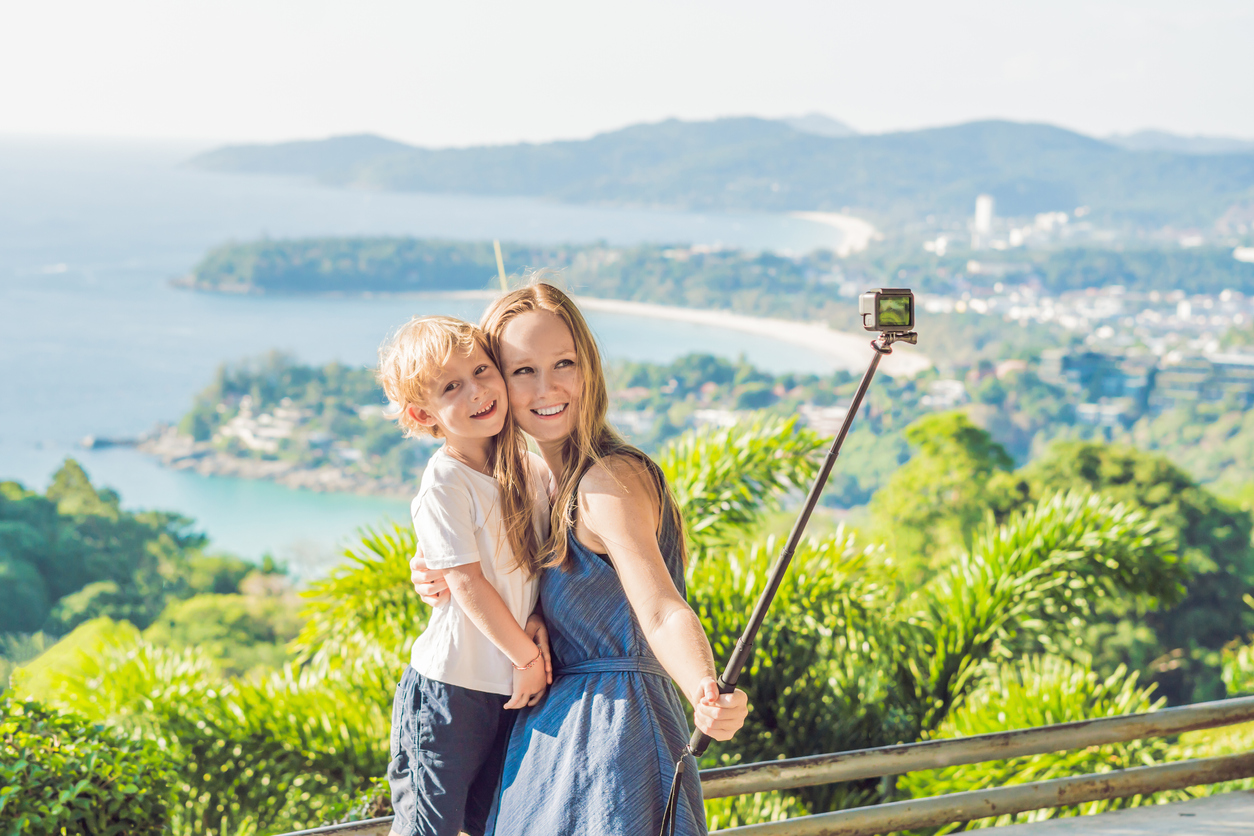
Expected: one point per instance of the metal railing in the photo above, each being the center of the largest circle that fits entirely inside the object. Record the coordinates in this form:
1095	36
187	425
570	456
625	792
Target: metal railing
964	806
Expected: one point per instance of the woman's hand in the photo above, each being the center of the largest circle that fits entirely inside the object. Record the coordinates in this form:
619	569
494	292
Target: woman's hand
429	583
540	635
719	716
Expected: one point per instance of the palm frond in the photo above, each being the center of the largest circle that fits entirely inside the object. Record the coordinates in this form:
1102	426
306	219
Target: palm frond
366	609
1024	580
724	479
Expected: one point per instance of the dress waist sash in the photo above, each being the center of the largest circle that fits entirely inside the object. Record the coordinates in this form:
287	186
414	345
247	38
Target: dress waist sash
609	664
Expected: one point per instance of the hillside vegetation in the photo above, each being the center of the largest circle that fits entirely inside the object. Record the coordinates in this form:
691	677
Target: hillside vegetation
1106	580
761	165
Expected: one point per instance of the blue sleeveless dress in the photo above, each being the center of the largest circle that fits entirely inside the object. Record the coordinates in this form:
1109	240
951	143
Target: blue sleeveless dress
595	757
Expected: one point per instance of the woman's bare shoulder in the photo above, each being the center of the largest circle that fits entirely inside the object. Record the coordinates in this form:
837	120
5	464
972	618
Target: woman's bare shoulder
617	473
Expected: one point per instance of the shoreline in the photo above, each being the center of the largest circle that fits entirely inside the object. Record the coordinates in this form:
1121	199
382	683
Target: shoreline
846	350
180	452
856	234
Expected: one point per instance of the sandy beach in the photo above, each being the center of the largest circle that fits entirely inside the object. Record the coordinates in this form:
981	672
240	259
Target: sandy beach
846	350
856	233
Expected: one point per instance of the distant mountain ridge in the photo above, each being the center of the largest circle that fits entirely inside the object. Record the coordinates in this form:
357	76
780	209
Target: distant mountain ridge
1178	144
750	164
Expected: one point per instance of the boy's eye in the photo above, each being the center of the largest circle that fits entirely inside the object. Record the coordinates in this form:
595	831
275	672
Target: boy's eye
450	387
481	369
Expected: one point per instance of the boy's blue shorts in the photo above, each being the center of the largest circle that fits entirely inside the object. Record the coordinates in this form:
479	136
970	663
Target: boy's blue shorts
448	747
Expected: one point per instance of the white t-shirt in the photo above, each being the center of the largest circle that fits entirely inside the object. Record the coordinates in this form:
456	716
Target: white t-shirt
457	516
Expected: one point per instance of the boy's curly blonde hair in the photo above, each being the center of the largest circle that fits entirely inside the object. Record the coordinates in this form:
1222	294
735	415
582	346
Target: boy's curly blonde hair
411	360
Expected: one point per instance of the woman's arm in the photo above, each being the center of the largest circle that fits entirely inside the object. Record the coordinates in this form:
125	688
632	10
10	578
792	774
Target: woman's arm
618	507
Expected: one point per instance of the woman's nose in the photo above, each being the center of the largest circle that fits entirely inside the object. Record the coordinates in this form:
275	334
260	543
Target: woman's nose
544	382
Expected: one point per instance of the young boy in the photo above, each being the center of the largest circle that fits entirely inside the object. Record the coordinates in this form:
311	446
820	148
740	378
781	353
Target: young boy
475	660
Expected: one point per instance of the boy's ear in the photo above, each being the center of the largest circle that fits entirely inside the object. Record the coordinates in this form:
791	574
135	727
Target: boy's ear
420	415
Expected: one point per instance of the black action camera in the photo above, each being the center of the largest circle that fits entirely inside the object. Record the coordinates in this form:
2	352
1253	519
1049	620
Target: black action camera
887	309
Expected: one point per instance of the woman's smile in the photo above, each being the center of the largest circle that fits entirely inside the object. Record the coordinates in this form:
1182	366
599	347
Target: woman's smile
550	411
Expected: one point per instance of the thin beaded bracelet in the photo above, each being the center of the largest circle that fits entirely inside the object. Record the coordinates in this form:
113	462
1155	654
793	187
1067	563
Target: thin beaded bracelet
529	664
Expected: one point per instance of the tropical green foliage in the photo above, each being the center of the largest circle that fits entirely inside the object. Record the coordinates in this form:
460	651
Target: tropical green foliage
239	632
1179	644
849	661
1041	691
958	475
1238	669
852	656
73	554
61	774
738	811
266	753
724	480
933	504
365	613
1212	441
1238	663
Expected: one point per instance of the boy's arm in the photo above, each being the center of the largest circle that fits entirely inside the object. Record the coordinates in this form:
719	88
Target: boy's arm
485	608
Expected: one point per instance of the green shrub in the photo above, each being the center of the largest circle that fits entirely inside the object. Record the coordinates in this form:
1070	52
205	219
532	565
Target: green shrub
1238	668
758	808
240	632
61	774
1042	691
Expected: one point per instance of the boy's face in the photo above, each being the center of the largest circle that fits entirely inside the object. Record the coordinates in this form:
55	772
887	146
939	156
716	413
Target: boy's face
467	399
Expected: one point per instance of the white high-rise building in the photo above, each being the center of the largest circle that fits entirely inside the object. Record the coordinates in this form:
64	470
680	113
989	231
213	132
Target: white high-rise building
983	224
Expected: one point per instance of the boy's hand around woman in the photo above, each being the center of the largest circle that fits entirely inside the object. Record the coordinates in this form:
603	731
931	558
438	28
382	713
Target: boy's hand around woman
533	678
540	635
529	683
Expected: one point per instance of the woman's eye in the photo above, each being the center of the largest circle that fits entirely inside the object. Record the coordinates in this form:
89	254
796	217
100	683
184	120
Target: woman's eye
562	364
523	370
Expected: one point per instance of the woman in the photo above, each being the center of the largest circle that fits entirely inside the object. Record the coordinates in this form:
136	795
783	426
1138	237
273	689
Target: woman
596	755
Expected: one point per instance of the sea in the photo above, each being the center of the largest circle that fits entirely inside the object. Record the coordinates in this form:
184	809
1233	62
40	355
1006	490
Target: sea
95	341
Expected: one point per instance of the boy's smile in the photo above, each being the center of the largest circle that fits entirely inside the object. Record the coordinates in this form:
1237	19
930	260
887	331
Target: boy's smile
465	403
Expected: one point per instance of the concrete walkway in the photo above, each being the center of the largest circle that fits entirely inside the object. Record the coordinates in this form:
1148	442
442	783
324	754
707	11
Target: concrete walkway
1230	814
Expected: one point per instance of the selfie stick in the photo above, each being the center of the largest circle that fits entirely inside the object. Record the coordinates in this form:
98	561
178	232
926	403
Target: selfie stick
744	646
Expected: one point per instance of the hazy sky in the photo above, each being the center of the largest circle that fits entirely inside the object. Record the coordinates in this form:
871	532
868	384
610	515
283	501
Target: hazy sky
461	73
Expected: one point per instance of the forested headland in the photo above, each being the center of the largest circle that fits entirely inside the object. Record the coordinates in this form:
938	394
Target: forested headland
326	427
814	286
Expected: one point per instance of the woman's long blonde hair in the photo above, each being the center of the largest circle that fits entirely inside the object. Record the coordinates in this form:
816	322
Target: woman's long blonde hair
593	438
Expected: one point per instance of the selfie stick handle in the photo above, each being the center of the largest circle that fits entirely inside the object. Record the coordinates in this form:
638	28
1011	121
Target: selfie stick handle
744	646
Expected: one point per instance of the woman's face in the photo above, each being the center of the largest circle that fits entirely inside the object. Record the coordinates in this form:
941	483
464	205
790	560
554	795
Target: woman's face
542	375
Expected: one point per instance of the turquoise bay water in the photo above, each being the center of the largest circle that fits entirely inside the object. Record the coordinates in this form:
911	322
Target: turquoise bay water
94	341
